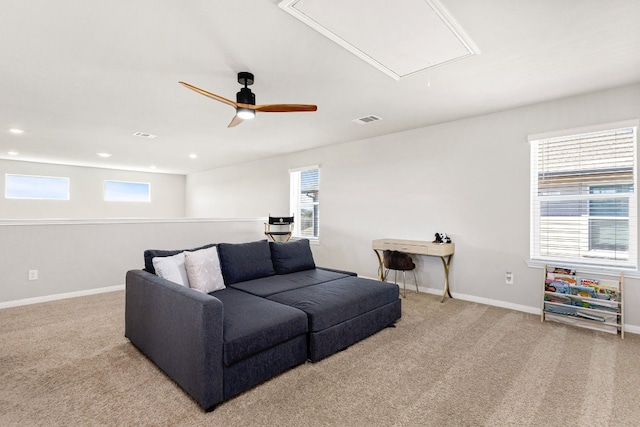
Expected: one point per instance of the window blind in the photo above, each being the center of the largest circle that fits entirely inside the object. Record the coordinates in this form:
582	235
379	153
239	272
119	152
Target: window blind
583	198
305	202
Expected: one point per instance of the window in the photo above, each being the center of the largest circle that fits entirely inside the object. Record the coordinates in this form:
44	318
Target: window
36	187
305	191
583	198
122	191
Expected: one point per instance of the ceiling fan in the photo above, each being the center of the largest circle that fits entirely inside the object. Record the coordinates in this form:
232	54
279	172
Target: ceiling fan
245	104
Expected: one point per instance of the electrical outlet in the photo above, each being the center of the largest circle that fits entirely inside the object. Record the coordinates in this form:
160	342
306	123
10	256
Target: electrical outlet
33	274
508	278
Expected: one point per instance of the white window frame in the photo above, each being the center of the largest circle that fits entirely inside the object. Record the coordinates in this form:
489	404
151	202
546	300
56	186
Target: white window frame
597	263
43	181
296	205
124	199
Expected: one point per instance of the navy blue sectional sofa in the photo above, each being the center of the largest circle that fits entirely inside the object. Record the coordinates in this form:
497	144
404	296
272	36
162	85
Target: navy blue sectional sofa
277	311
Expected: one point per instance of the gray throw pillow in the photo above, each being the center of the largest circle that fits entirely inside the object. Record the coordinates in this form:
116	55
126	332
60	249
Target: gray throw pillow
245	261
292	256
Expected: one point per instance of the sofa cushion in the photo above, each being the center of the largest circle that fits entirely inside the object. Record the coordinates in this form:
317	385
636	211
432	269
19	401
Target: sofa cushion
203	270
281	283
253	324
150	254
292	256
328	304
172	268
245	261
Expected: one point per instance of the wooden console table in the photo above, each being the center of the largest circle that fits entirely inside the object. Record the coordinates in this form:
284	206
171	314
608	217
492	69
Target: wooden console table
444	251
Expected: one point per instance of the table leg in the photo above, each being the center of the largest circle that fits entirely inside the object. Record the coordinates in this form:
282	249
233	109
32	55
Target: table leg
380	267
445	264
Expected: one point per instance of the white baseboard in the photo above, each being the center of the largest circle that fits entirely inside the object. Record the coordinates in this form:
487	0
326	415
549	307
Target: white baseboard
496	303
633	329
55	297
480	300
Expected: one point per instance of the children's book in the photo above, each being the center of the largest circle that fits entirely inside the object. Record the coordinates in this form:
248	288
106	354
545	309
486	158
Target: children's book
562	270
560	299
584	291
589	282
607	293
556	286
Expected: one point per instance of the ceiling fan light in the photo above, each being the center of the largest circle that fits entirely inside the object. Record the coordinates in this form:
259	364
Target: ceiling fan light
245	113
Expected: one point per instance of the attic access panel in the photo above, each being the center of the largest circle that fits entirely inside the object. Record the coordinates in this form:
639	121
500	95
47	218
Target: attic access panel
399	37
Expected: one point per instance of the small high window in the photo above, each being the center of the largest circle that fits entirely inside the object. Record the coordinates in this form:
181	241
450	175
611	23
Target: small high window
123	191
36	187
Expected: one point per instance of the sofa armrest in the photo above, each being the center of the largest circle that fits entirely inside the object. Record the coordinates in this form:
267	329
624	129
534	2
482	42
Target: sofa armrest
350	273
180	330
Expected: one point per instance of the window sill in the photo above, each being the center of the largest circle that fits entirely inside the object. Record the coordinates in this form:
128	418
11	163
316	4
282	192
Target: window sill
589	269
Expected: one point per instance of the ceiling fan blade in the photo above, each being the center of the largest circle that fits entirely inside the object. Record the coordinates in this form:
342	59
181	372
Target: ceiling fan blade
235	121
245	94
209	94
284	108
247	106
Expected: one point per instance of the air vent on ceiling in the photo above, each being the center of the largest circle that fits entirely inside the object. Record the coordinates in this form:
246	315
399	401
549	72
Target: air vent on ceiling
144	135
367	119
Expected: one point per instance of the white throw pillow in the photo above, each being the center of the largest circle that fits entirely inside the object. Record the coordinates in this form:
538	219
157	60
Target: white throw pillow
172	268
203	270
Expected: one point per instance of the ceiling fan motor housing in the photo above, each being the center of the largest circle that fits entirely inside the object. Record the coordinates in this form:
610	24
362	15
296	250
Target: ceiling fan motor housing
245	96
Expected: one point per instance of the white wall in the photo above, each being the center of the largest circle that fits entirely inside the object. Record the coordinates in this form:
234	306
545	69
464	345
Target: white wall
85	243
469	178
86	194
75	256
252	189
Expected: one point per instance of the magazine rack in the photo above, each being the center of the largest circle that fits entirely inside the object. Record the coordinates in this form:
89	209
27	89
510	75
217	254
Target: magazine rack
583	301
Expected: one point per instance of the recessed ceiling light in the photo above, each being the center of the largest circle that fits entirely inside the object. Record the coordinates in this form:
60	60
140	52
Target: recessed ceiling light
193	156
16	131
104	155
13	153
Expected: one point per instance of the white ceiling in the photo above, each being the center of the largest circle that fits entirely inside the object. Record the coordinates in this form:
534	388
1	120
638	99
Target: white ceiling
418	34
80	77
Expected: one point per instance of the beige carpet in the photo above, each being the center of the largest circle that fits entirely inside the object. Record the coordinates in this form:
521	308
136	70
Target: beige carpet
67	363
